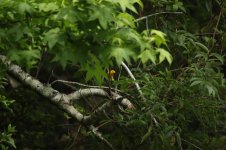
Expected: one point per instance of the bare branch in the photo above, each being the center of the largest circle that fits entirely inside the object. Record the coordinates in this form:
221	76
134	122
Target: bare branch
61	100
99	92
132	76
87	92
155	14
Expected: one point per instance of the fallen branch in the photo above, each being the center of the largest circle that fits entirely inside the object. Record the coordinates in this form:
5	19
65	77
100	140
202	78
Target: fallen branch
61	100
64	101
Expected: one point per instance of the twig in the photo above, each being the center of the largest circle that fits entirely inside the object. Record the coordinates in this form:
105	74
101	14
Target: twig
132	76
145	17
80	84
208	33
100	109
99	135
119	75
75	137
191	144
214	34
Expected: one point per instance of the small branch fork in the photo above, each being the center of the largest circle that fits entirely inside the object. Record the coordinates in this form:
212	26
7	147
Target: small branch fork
65	101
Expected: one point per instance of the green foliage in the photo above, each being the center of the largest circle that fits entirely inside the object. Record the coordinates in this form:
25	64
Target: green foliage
71	31
6	139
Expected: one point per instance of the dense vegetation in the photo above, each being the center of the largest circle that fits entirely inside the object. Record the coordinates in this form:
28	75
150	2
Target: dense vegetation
174	48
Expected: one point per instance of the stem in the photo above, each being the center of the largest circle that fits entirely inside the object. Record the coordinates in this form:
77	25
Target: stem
132	76
155	14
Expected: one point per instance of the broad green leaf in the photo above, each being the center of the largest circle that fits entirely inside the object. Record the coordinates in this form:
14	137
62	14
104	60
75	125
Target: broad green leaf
163	54
18	31
211	90
159	33
94	69
52	36
219	57
28	58
178	139
196	83
148	55
202	46
48	7
121	53
117	41
63	57
124	4
125	19
24	7
102	13
68	15
158	37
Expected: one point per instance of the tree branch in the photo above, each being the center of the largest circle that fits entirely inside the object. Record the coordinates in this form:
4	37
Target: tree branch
61	100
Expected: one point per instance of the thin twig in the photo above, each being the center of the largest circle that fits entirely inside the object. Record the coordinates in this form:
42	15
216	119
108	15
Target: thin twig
144	17
99	135
75	137
132	76
119	75
80	84
191	144
214	34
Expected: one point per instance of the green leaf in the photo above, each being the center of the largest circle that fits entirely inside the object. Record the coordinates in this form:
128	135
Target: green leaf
148	55
121	53
63	56
163	54
149	132
125	19
94	69
48	7
159	33
219	57
129	4
102	13
196	83
52	36
202	46
26	57
158	37
24	7
211	90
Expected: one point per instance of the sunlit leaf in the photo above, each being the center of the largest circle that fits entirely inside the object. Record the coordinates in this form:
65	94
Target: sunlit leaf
163	54
148	55
121	53
52	37
24	7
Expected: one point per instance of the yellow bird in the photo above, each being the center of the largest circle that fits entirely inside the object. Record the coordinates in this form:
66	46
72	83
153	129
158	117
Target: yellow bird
111	74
